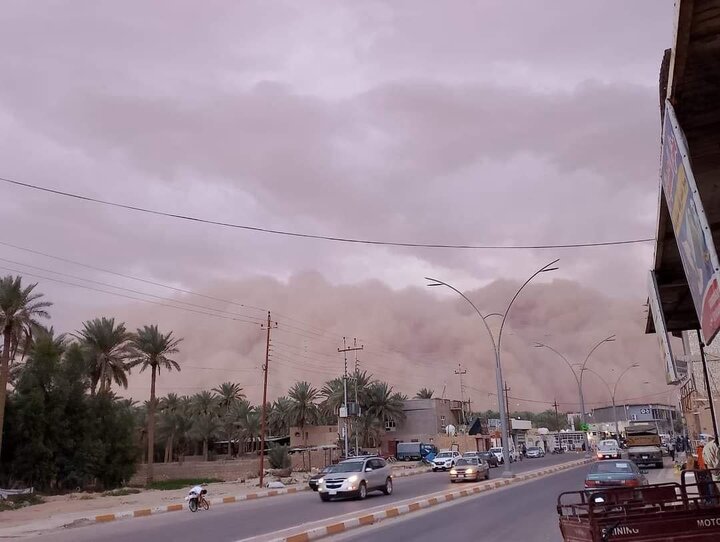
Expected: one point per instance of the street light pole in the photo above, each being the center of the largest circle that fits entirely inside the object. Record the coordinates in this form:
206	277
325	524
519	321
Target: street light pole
579	379
613	391
496	345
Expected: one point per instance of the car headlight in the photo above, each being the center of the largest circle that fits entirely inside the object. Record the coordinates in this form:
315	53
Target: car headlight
353	478
453	471
469	471
321	480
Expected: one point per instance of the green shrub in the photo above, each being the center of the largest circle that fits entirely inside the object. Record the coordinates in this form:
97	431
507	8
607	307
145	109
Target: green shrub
279	457
180	483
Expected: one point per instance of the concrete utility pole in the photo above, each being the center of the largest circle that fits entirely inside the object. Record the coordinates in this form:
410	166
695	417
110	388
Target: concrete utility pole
507	409
263	420
357	405
707	385
460	371
344	350
557	420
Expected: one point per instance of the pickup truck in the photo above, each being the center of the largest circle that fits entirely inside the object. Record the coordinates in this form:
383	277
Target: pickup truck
643	443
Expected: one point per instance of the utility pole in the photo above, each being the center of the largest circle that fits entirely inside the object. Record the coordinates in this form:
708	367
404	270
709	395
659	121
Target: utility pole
707	386
460	371
344	350
507	409
264	403
357	372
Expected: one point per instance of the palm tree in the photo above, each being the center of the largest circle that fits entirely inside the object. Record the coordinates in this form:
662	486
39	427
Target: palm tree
303	407
384	404
170	410
424	393
279	416
19	310
334	396
151	349
228	393
107	347
204	407
370	429
250	428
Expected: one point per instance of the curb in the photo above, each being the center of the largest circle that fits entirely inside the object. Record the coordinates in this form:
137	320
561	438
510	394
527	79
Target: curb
144	512
396	511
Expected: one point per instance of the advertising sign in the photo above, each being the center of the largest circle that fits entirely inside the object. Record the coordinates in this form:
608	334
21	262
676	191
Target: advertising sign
671	373
692	233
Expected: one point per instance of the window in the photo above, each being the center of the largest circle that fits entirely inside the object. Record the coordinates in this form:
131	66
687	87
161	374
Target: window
390	425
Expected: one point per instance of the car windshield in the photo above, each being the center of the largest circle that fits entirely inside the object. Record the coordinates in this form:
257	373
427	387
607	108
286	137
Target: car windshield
612	467
443	455
533	449
350	466
467	462
496	450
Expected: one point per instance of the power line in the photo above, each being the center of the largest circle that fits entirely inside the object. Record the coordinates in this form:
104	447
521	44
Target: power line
319	237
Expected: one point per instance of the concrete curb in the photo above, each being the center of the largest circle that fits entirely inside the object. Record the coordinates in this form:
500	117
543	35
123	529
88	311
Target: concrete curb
336	528
144	512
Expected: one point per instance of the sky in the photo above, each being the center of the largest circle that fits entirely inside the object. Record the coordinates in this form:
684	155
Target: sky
483	123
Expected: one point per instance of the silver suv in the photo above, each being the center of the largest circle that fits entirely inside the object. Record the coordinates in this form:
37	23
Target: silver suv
355	477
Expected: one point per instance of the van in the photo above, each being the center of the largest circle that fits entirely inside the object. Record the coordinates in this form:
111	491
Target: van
608	449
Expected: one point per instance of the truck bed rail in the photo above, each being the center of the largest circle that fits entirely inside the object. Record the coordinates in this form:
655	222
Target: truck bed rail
653	513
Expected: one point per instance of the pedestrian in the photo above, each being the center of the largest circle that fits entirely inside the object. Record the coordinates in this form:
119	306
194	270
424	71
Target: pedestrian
711	457
671	447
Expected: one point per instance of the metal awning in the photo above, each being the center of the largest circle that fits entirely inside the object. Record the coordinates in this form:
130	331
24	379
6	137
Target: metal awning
690	79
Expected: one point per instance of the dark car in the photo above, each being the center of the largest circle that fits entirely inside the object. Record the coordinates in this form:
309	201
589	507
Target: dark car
614	473
469	469
313	481
489	457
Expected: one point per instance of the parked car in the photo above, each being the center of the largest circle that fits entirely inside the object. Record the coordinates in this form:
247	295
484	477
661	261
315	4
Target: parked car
356	478
445	460
313	481
608	449
469	469
616	473
534	451
498	453
489	458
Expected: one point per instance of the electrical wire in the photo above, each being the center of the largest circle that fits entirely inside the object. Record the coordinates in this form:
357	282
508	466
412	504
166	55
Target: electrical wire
320	237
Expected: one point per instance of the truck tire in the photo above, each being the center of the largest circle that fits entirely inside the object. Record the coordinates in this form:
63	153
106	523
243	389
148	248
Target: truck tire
660	465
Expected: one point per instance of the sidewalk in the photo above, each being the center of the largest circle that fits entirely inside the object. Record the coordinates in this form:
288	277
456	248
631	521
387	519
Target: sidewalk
84	508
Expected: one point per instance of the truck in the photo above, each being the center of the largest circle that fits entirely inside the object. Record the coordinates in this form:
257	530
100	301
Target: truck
415	451
643	444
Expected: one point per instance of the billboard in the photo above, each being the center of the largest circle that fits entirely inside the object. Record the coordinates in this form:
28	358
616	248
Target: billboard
692	233
671	373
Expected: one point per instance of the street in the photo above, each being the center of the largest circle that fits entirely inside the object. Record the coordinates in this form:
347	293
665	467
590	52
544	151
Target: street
231	522
525	512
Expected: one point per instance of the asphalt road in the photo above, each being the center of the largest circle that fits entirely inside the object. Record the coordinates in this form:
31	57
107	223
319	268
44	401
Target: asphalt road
230	522
525	513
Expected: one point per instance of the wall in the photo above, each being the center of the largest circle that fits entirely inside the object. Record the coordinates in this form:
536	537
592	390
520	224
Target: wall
317	435
226	470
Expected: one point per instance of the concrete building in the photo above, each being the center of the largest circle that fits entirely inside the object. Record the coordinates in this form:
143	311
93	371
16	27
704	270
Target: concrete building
314	436
602	420
436	421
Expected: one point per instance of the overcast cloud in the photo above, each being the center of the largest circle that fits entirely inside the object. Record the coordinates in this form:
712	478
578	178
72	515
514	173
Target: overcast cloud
443	122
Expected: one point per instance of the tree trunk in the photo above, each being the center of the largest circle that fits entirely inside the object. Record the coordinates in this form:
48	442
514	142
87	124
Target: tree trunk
205	449
4	369
151	428
169	448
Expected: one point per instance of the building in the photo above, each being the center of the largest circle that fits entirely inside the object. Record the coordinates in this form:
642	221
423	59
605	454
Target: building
435	421
602	420
314	436
683	277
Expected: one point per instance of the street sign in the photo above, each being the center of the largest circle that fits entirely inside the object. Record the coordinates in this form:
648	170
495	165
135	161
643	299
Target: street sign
671	372
693	236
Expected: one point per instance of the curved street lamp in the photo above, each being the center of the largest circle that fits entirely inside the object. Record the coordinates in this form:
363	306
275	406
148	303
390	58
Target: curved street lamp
497	344
613	391
579	379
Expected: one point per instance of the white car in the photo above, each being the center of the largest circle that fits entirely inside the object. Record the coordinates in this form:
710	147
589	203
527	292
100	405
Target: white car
608	449
445	460
498	452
